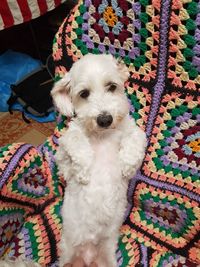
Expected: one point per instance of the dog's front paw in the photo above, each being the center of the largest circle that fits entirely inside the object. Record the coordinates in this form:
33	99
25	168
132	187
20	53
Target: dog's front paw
83	179
132	151
131	160
82	174
128	169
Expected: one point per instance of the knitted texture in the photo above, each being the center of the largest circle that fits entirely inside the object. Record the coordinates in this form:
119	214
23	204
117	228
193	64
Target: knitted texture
122	28
30	200
159	42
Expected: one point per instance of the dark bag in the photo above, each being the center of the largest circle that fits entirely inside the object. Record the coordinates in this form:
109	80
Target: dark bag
33	93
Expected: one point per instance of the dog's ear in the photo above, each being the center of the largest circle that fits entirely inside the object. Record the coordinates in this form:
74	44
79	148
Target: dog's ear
61	96
123	70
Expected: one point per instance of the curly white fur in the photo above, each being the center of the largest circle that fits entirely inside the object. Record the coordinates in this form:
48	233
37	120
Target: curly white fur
97	162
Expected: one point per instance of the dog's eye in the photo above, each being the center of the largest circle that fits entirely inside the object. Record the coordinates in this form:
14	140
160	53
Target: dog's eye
112	87
84	93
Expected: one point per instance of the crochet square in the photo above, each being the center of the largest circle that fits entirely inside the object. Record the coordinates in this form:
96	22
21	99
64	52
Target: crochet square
39	237
122	28
28	192
11	221
27	174
131	253
173	154
184	48
163	219
169	259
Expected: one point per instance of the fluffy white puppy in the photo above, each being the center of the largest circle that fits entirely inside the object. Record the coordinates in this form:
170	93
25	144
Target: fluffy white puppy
97	155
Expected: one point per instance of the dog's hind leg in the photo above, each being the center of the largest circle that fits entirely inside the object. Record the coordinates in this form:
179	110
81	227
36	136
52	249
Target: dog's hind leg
88	252
77	262
107	253
67	252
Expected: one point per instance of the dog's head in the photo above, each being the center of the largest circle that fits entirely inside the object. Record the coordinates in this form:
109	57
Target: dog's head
94	91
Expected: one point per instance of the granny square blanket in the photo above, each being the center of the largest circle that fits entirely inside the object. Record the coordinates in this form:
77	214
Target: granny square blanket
31	196
159	41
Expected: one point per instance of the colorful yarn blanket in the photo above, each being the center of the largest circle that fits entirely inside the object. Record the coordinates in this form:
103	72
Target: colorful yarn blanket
159	41
31	196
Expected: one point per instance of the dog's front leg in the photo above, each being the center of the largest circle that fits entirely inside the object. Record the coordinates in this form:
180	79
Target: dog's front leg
75	154
132	148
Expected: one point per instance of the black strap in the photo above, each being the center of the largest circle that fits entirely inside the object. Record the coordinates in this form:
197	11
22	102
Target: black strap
25	118
11	101
25	109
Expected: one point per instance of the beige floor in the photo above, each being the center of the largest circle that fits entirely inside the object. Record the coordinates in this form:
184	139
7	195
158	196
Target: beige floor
14	129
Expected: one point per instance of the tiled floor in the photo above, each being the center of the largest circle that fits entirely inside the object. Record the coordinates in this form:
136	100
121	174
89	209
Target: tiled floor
14	129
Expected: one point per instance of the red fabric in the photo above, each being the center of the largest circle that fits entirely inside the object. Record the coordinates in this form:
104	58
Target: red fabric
57	2
25	10
13	12
42	6
6	14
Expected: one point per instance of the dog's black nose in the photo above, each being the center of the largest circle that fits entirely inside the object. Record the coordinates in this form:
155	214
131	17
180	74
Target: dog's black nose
104	120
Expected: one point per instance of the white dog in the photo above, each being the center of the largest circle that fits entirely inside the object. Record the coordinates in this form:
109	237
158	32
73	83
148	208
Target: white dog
97	155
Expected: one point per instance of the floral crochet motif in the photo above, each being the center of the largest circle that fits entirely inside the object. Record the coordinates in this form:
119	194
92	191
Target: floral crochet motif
110	17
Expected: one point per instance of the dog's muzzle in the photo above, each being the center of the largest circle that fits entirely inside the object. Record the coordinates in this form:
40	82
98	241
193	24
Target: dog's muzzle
104	120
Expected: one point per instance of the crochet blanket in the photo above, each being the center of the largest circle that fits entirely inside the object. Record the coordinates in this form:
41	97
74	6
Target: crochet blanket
31	196
159	42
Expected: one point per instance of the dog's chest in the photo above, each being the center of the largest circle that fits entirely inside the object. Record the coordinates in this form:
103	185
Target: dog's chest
103	200
106	158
